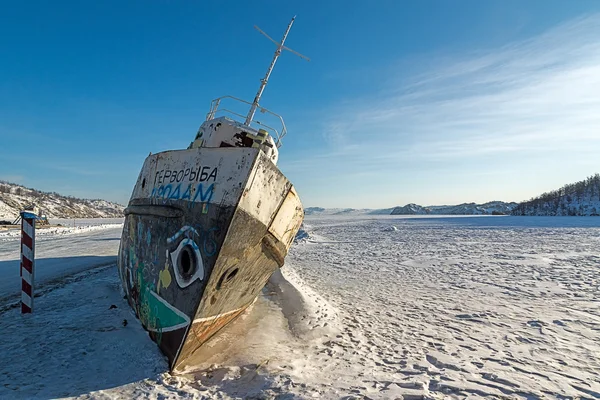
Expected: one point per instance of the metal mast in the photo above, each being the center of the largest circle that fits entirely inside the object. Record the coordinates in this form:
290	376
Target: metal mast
265	80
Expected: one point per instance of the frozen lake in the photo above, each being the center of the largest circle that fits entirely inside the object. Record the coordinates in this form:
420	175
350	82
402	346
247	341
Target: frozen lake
460	305
373	307
59	252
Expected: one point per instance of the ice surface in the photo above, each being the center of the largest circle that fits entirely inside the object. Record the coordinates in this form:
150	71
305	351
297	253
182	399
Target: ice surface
75	343
499	306
504	307
59	252
11	234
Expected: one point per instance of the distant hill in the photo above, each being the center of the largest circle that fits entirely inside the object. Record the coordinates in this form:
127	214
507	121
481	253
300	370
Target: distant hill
346	211
581	198
490	208
314	210
578	199
13	198
410	209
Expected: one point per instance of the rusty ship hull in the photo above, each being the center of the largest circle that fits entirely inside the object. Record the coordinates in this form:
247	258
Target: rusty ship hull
204	230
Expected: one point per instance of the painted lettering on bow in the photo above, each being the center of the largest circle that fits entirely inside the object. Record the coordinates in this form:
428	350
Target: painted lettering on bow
194	193
199	174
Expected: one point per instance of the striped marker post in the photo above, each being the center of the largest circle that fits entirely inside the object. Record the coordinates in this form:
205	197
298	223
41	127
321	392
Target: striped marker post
27	260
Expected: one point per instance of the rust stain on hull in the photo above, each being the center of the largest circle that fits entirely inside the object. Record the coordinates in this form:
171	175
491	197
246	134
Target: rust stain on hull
202	331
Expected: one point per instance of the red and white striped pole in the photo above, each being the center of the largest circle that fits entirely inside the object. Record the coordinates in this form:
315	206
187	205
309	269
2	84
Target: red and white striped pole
27	260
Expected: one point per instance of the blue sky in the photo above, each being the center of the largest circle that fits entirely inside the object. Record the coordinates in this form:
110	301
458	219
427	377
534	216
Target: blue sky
432	102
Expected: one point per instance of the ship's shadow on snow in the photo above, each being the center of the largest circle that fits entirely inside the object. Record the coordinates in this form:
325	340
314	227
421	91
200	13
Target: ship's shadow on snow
81	338
84	338
50	273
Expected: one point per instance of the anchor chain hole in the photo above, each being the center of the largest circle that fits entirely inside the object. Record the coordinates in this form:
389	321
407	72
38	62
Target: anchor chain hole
227	277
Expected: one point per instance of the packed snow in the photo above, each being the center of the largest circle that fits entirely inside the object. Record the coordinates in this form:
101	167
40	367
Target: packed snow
77	228
366	307
60	251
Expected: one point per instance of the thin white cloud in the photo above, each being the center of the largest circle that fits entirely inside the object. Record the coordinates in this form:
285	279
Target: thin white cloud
538	95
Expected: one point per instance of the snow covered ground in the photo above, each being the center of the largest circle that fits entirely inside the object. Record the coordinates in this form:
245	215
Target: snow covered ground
505	306
85	222
501	307
11	233
60	251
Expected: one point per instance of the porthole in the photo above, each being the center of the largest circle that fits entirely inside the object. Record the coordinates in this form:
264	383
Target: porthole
186	259
186	262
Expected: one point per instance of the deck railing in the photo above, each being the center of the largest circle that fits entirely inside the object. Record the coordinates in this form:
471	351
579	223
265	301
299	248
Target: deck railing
276	134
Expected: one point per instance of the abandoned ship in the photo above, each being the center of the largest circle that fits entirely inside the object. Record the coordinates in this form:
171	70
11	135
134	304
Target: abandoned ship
206	226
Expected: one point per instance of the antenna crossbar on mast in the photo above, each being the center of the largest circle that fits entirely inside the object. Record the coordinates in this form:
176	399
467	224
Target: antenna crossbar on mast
265	80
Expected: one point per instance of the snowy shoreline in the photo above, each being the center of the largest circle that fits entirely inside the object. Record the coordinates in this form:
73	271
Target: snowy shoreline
15	233
499	307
